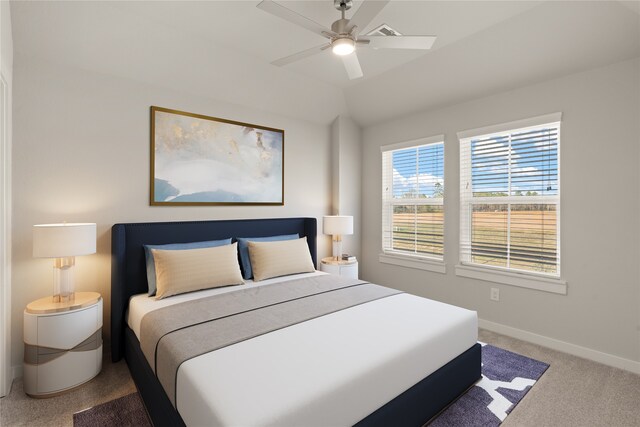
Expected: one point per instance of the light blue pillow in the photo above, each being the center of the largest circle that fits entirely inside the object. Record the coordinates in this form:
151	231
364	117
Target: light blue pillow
243	250
151	266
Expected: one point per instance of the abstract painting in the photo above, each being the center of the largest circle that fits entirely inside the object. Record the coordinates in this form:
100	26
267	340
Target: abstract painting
201	160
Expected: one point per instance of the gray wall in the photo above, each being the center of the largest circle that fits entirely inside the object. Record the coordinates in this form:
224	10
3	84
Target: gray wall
81	153
600	201
346	175
6	68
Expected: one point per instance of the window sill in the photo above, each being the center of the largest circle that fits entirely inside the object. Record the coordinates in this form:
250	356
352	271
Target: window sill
414	262
523	280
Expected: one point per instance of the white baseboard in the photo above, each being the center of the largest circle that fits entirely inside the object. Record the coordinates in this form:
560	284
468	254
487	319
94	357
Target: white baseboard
16	371
565	347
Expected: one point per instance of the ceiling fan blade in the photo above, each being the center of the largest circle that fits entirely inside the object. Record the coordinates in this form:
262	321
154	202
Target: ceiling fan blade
300	55
368	10
400	42
352	65
295	18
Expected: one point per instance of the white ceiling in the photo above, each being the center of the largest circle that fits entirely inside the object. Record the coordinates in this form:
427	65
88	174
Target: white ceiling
242	26
223	49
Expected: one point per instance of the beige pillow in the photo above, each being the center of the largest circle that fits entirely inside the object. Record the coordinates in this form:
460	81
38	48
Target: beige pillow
273	259
180	271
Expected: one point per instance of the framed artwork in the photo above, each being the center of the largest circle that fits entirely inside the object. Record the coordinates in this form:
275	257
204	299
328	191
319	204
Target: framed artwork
201	160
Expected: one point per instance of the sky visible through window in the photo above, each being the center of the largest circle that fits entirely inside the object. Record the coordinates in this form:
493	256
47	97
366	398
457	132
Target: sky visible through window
531	157
419	172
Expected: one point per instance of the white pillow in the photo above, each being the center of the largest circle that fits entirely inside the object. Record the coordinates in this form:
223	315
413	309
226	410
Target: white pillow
187	270
273	259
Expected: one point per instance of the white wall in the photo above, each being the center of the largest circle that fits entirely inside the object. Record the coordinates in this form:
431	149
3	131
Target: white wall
600	224
81	153
6	41
346	174
6	71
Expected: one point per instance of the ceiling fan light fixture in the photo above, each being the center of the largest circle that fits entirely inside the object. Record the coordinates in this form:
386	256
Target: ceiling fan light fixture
343	46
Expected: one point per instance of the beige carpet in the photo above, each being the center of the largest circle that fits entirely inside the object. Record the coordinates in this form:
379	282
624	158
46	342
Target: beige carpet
573	392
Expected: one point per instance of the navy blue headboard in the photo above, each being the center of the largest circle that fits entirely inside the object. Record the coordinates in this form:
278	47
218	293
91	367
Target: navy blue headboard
128	272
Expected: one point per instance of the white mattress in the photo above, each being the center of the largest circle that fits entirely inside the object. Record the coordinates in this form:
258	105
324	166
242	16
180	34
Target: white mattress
330	371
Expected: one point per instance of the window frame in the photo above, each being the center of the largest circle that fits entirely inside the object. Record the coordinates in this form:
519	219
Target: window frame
432	263
550	282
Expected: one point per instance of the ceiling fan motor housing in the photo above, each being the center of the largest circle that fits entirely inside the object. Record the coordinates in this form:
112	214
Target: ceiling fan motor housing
340	26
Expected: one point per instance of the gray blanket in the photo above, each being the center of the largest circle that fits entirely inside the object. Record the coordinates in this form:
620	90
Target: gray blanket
172	335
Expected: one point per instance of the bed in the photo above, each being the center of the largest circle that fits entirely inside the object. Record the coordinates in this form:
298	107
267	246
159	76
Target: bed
395	360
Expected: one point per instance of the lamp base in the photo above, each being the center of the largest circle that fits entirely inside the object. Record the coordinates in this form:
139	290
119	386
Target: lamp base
63	283
64	298
337	247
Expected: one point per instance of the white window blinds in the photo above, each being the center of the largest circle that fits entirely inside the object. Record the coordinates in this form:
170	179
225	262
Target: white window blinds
510	199
412	198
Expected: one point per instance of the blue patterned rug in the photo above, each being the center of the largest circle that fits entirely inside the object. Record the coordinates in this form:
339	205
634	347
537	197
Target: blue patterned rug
506	378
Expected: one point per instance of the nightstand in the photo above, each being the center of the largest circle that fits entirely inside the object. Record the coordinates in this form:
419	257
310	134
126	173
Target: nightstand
62	343
341	268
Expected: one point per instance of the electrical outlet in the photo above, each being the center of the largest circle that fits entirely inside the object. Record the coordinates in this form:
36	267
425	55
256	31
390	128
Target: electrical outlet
495	294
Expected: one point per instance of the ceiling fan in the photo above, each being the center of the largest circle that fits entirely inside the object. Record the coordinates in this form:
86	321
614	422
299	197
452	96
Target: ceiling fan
344	33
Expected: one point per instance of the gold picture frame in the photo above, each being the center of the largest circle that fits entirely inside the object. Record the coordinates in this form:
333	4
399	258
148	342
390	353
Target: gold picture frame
198	160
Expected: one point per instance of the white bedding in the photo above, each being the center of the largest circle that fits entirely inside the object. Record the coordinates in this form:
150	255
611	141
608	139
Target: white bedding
332	370
141	304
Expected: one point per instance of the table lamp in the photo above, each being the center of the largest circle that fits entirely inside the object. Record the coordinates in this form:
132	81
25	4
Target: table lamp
63	242
337	225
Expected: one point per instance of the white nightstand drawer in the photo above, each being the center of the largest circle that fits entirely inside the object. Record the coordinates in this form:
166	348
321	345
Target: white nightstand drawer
340	268
70	370
66	330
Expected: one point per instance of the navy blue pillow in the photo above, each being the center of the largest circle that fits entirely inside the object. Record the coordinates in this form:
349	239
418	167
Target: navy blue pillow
151	266
243	250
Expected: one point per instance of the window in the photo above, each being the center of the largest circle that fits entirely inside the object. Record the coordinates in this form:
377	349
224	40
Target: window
412	198
510	197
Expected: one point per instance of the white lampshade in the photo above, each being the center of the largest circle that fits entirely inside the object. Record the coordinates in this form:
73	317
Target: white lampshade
63	240
337	225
